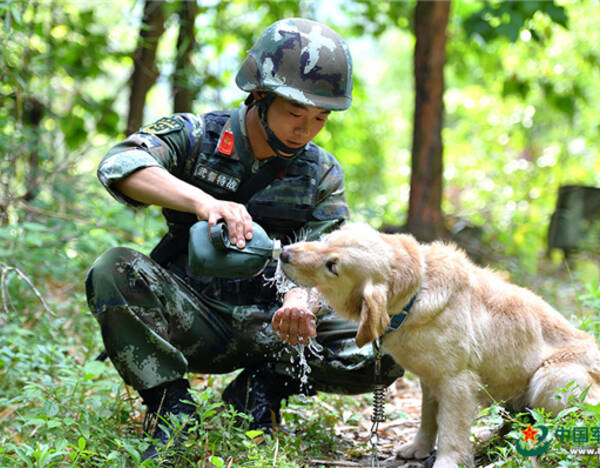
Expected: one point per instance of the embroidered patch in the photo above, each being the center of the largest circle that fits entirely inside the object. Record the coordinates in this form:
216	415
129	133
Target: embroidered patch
226	143
217	178
163	126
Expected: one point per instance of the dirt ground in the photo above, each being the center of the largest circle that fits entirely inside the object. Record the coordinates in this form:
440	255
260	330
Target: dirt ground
402	397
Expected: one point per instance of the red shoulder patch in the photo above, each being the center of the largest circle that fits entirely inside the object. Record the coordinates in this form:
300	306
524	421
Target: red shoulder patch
226	143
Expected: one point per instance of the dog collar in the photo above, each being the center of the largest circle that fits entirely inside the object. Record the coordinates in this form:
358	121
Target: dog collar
398	319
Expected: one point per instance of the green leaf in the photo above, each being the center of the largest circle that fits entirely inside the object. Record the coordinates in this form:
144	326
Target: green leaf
566	411
253	434
109	122
35	422
512	29
51	409
93	369
563	103
15	14
61	444
515	86
30	226
476	24
74	130
53	424
530	7
556	13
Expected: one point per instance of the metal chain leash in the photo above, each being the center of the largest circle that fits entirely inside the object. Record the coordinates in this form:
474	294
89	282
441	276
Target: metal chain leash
378	414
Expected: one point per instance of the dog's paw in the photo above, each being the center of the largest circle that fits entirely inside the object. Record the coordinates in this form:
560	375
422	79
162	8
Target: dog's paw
413	450
446	463
454	461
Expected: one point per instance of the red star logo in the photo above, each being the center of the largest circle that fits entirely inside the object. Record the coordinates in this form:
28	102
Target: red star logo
529	433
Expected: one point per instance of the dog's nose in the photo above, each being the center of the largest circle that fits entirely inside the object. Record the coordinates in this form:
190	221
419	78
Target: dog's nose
285	255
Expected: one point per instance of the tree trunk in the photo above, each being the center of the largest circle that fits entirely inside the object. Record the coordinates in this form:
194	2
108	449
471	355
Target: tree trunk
145	71
182	89
425	212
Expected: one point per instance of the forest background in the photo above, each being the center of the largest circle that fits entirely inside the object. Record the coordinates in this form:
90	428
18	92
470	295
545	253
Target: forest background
517	120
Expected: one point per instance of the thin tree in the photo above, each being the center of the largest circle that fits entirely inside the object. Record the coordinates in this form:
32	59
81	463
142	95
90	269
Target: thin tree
425	219
145	70
183	94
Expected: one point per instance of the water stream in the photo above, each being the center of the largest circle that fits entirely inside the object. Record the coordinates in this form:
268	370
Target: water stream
283	285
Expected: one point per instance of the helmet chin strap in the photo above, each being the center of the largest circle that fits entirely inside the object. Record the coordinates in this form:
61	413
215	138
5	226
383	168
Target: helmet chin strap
262	105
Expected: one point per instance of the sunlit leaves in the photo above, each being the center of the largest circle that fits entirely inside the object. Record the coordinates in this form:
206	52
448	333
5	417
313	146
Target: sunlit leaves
374	18
506	19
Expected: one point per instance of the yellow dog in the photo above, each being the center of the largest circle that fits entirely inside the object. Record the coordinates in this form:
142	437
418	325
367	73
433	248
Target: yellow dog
467	335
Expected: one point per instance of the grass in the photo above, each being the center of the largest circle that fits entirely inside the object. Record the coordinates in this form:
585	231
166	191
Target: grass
59	407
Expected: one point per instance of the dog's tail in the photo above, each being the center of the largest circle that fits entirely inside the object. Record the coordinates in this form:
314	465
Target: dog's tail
566	374
593	396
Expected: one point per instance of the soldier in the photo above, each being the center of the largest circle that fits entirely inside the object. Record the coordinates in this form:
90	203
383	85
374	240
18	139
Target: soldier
160	320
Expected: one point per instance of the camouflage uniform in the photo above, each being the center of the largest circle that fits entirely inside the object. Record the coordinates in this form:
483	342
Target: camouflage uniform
159	320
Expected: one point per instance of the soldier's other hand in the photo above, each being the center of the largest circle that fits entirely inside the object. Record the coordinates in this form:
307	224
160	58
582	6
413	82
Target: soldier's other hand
295	324
237	218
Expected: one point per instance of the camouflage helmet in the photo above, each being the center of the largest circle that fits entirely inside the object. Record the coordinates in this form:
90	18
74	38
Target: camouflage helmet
301	60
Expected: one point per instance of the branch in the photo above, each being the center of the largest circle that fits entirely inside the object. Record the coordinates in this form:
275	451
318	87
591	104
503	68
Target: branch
6	299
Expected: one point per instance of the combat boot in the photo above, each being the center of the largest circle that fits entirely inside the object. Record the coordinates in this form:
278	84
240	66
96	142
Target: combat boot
258	392
164	402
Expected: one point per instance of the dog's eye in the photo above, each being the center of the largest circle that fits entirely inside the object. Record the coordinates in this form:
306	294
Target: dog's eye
332	267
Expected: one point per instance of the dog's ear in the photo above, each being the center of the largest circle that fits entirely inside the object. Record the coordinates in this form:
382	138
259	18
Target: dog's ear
406	264
374	318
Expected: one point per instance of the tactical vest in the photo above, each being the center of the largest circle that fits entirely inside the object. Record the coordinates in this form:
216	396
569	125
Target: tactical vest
281	208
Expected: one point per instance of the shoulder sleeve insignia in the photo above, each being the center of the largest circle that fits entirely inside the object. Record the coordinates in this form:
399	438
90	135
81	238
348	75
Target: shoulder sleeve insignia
226	143
163	126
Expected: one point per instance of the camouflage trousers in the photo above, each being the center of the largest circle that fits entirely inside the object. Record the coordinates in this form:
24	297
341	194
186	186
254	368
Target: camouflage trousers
156	327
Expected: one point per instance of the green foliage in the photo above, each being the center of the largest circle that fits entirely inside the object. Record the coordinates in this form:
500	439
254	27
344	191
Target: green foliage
517	126
230	31
59	407
361	154
566	448
52	65
374	18
590	300
506	19
56	50
521	120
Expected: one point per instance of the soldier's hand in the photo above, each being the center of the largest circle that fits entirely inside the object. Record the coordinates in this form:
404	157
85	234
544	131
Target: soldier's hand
294	323
235	215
